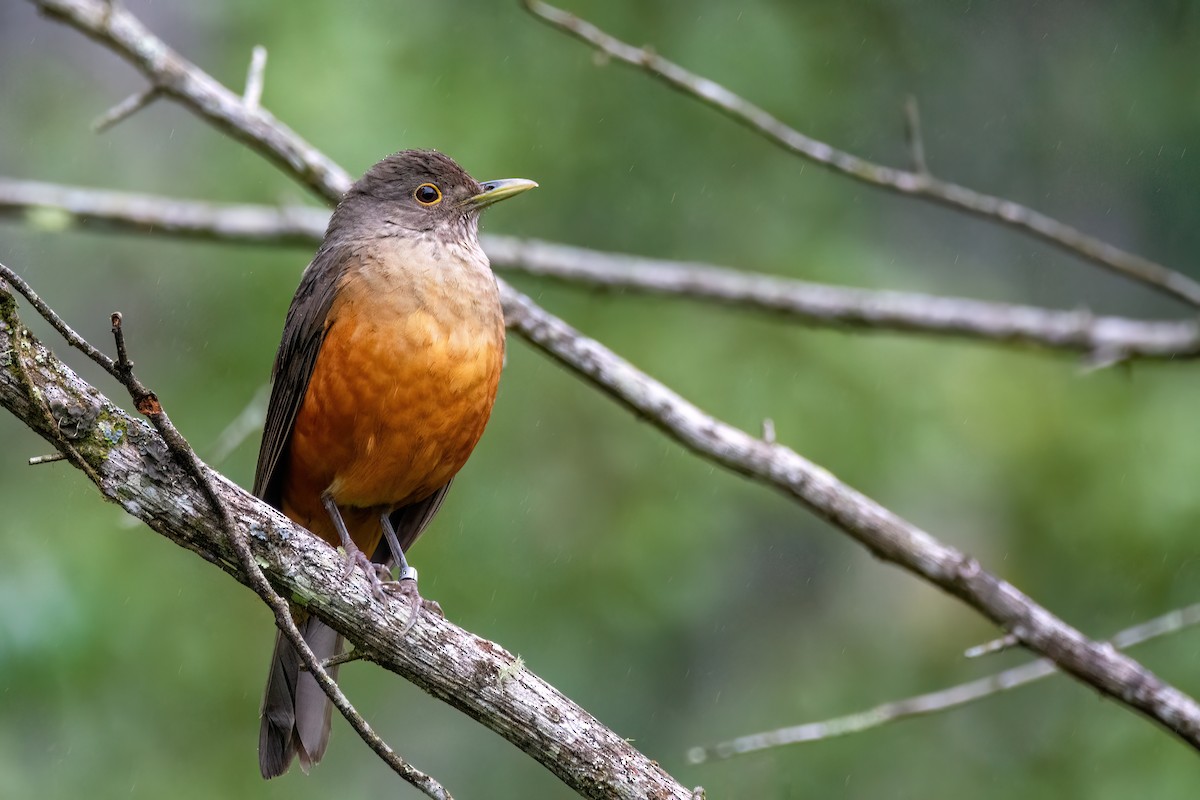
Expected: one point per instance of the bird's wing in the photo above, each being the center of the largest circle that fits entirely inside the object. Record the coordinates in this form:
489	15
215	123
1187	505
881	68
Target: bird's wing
302	336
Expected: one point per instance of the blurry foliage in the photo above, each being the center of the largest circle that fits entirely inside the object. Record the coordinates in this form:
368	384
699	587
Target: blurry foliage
677	602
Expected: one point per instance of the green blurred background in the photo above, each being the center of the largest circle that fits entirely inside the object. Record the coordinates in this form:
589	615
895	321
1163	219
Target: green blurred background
679	603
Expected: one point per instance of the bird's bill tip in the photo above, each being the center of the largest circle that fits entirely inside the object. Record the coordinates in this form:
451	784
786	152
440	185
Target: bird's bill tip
495	191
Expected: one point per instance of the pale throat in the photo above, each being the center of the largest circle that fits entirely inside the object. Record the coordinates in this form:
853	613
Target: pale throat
447	284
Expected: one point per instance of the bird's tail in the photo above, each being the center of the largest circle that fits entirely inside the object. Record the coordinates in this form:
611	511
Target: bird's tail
295	712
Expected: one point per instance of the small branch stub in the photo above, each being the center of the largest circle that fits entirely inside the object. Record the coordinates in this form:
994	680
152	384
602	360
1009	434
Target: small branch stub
252	97
144	400
912	133
123	361
1006	642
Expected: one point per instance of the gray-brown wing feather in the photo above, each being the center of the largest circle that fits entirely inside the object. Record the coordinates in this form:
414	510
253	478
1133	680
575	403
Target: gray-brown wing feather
303	333
295	713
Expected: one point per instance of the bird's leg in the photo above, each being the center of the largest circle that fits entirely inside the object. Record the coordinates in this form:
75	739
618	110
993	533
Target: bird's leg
406	584
407	573
354	556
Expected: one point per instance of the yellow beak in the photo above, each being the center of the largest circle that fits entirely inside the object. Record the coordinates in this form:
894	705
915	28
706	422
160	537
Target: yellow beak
495	191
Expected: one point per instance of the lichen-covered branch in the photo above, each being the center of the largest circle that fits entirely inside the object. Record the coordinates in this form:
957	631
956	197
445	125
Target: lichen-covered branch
136	470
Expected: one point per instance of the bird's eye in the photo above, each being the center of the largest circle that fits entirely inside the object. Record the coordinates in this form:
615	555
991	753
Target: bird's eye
428	195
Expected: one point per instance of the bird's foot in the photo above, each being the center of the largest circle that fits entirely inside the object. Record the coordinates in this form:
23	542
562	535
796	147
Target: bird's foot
406	587
377	574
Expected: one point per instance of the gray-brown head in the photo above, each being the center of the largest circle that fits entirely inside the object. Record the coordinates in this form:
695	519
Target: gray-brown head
419	192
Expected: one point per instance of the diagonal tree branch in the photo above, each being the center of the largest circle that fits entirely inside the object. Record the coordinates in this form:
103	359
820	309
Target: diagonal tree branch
148	405
136	469
934	702
879	530
913	184
1104	339
886	535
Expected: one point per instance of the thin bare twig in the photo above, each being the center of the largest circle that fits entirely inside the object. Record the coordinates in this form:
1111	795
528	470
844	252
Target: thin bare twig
247	423
49	458
64	330
60	440
344	657
119	30
913	184
1104	339
934	702
125	109
879	530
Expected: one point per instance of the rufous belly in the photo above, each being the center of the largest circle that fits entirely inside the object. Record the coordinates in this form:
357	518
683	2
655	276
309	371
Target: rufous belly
397	401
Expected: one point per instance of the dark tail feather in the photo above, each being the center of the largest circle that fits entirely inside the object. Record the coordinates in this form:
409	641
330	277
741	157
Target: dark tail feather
295	712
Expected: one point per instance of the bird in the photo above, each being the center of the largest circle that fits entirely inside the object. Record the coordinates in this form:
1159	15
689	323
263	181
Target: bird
385	376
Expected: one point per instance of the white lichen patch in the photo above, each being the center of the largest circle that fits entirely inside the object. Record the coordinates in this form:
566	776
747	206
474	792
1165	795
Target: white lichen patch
511	671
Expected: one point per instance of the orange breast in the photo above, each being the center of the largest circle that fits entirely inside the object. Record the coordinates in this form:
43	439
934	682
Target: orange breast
398	398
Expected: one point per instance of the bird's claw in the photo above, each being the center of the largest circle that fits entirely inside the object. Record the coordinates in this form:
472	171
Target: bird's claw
403	586
376	574
406	588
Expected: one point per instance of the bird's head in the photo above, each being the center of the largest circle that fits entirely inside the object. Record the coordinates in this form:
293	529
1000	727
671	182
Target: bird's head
420	191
